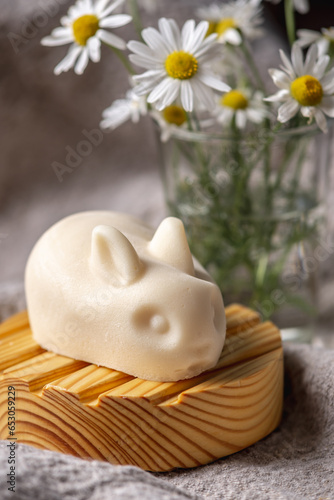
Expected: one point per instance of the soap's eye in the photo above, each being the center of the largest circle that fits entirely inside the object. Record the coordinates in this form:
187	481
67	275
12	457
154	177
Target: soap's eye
150	319
159	323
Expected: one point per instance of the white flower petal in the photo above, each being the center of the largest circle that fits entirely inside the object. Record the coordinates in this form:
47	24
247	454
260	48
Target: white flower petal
328	32
187	34
87	4
144	62
240	119
146	84
140	48
327	105
161	89
155	41
172	92
111	39
94	49
327	82
69	60
321	120
280	78
323	46
117	114
187	96
297	59
203	95
62	32
320	67
50	41
80	8
115	21
307	111
301	6
170	95
225	116
82	62
287	65
208	49
255	115
66	21
152	74
281	95
111	8
232	36
198	37
306	37
100	6
144	88
170	33
213	82
287	110
310	60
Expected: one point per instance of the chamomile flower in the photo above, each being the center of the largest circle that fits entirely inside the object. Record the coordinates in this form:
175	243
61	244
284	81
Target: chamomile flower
177	65
324	39
301	6
83	26
234	20
241	105
304	86
173	121
170	120
122	110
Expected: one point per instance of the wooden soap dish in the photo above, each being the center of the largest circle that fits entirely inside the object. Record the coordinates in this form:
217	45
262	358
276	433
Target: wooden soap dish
93	412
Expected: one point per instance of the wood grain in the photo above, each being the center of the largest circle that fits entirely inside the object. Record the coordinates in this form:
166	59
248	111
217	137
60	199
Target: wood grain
94	412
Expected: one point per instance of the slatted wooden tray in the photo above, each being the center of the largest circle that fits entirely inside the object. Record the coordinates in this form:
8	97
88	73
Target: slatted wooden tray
94	412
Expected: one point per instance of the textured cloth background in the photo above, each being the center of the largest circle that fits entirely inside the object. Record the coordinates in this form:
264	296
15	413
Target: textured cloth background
296	462
42	115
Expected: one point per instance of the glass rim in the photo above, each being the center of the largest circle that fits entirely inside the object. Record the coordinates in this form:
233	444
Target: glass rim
192	135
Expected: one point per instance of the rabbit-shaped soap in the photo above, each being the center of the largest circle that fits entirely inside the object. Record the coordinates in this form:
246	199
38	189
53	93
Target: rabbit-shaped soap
102	287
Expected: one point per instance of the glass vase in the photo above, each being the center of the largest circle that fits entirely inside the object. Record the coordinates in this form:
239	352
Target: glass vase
253	208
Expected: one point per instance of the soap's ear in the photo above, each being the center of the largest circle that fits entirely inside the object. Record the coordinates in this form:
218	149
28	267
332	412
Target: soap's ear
170	245
113	257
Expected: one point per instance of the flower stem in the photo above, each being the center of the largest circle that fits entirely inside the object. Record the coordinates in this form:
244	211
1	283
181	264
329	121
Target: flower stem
290	21
250	60
241	200
125	61
135	13
198	148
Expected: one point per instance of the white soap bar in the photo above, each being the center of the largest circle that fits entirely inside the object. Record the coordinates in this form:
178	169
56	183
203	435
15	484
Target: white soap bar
102	287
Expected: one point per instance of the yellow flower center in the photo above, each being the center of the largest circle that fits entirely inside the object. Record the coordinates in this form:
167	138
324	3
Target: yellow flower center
307	90
175	115
224	25
235	100
181	65
84	28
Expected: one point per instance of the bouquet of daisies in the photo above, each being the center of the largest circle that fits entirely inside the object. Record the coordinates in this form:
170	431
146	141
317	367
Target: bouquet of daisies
198	82
193	68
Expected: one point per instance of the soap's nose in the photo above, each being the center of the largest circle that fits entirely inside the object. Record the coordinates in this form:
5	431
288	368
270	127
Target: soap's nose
206	315
218	309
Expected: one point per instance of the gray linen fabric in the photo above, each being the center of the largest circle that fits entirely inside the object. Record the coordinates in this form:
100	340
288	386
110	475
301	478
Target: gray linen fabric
296	462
